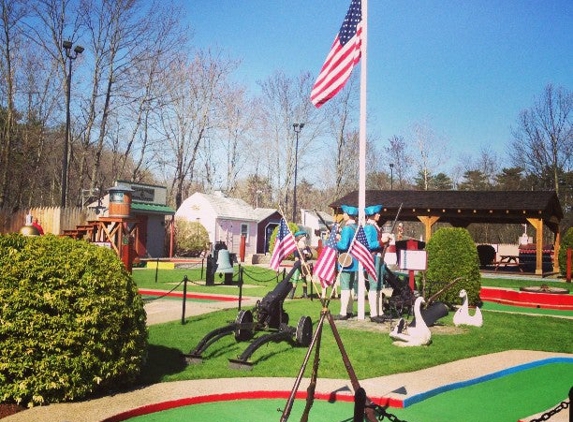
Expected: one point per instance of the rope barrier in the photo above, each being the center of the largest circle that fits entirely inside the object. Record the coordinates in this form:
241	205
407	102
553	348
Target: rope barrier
151	299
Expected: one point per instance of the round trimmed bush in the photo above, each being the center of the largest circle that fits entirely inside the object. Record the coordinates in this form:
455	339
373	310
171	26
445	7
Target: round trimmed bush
192	238
72	322
452	254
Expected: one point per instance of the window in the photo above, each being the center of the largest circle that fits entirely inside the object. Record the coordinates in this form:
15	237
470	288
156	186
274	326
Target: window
245	231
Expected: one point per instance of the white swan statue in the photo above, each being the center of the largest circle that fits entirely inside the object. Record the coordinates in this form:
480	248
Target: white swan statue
419	335
462	315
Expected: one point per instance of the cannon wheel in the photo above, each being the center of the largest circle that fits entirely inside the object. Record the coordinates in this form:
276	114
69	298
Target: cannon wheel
244	326
304	331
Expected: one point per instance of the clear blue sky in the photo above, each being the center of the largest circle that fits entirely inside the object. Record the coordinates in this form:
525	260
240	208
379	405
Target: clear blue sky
466	68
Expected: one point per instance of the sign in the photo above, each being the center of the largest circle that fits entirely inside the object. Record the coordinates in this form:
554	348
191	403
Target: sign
413	260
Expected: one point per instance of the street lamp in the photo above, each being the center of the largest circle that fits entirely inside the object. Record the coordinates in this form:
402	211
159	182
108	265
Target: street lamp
391	176
297	128
71	57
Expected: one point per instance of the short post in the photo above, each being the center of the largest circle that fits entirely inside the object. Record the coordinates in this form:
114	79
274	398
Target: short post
240	282
568	273
156	269
185	280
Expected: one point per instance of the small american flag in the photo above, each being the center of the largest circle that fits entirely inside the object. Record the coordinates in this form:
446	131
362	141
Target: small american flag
343	56
359	250
285	244
325	267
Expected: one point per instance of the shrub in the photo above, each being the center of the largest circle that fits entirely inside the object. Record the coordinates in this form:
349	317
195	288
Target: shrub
566	242
452	254
71	320
192	238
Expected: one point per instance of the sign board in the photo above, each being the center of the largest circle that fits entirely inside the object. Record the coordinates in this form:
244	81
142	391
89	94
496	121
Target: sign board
413	260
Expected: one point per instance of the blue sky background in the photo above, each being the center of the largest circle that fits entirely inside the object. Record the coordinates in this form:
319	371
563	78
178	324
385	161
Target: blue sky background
465	68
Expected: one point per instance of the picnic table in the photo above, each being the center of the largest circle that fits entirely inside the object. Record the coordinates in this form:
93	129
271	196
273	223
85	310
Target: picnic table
508	261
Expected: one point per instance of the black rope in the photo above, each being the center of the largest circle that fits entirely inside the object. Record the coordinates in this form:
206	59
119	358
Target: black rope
151	299
259	280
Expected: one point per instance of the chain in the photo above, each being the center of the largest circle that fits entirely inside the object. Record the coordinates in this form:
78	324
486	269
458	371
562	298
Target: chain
250	274
381	412
548	415
151	299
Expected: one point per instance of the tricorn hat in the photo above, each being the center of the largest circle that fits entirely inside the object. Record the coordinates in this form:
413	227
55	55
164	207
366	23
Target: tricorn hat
373	209
353	211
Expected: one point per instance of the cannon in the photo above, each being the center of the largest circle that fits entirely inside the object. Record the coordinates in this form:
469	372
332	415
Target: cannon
268	316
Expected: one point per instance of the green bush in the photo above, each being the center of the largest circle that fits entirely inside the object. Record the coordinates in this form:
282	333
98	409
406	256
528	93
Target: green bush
566	242
452	254
191	239
72	322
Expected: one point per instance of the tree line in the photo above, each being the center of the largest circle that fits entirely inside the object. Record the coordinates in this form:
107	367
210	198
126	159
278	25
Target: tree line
147	106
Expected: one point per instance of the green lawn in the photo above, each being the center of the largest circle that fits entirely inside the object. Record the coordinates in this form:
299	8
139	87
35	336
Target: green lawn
501	331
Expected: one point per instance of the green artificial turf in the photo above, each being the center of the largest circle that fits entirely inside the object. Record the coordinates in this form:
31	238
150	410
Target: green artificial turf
508	398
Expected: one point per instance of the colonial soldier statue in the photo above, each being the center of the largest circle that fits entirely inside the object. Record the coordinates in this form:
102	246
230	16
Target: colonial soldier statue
348	266
376	246
300	275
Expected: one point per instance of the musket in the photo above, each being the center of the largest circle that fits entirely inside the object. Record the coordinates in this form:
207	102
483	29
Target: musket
322	220
391	231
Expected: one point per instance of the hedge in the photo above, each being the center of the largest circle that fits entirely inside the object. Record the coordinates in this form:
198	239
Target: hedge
71	321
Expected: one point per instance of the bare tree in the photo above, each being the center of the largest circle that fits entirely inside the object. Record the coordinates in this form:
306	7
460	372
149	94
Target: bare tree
398	155
543	138
486	164
429	154
343	141
11	13
192	95
285	101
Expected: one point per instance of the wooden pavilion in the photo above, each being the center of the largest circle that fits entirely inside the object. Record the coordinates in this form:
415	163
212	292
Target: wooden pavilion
461	208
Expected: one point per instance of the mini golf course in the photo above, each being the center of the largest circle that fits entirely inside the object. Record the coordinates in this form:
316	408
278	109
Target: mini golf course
509	395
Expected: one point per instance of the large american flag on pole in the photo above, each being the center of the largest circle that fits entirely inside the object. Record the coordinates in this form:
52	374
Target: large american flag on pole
359	250
285	244
325	266
343	56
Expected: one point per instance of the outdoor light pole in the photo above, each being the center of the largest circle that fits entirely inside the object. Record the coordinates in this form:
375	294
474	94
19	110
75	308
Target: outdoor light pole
297	128
67	45
391	176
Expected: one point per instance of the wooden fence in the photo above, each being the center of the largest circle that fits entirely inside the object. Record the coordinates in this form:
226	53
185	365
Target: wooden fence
52	219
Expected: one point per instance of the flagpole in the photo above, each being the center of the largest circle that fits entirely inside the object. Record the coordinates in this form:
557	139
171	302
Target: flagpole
362	149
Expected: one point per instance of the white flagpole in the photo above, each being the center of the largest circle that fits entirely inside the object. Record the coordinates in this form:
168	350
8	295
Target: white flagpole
362	150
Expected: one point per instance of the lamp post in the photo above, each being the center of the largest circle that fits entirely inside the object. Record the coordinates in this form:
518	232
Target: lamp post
391	176
67	45
297	128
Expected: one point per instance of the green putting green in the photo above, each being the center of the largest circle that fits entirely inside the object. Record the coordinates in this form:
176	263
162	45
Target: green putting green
506	396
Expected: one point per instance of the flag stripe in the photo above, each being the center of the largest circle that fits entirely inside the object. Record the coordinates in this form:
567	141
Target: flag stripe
336	72
344	54
325	267
285	244
359	250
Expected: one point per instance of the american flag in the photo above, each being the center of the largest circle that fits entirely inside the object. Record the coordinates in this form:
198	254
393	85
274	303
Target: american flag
343	56
359	250
325	265
285	244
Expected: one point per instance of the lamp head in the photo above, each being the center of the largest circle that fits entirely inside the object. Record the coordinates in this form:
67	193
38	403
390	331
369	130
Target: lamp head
79	49
67	44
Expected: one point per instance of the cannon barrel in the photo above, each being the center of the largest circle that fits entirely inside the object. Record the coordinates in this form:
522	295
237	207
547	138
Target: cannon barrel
269	310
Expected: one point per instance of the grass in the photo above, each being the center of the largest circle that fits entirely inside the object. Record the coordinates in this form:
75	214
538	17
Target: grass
501	331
